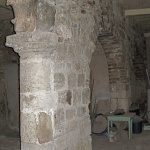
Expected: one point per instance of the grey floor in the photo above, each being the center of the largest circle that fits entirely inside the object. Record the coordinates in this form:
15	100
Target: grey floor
138	142
11	141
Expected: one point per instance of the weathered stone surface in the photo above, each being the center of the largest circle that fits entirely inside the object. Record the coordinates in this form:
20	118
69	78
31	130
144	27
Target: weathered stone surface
114	104
70	114
33	42
85	95
60	142
45	15
59	81
85	143
59	116
81	111
72	80
81	80
85	128
65	97
59	130
58	63
29	146
38	101
28	128
62	97
77	93
103	106
39	77
69	97
24	15
71	126
44	128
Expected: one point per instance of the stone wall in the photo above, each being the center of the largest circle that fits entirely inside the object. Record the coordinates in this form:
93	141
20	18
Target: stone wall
74	24
135	61
6	56
124	46
148	55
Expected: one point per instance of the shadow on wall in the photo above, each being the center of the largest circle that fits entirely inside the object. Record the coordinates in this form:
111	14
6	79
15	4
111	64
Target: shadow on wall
12	92
99	81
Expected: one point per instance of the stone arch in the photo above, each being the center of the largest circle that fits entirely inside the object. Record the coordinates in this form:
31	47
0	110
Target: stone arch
116	69
100	80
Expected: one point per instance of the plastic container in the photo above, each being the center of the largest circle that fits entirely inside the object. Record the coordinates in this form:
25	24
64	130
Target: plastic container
137	125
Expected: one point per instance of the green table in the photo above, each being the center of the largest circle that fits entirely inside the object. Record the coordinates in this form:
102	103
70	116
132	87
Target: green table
126	117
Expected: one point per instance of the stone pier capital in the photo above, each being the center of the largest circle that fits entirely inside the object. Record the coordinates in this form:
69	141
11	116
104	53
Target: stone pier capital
33	42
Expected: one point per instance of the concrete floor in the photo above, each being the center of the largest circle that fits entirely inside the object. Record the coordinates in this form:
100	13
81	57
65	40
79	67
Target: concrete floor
138	142
11	141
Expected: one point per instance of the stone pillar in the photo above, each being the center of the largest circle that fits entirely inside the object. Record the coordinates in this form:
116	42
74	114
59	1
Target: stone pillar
54	81
36	96
35	42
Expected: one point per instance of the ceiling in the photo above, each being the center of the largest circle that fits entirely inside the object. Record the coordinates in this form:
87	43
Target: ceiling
140	11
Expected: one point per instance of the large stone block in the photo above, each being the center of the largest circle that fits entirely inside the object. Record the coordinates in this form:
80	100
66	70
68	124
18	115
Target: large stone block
34	77
29	146
85	143
81	80
77	93
65	97
59	81
60	55
72	125
114	104
38	101
59	130
85	126
24	18
72	80
123	104
81	111
59	116
70	114
28	128
86	96
44	128
45	15
61	142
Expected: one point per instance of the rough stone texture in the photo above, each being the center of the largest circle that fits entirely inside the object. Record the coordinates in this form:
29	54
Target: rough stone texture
28	122
124	46
45	15
55	69
59	81
24	15
44	127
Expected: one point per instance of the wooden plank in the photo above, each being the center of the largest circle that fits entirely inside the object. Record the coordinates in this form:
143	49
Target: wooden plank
134	12
147	34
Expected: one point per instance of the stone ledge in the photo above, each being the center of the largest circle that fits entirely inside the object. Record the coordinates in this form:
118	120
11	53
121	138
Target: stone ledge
33	42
